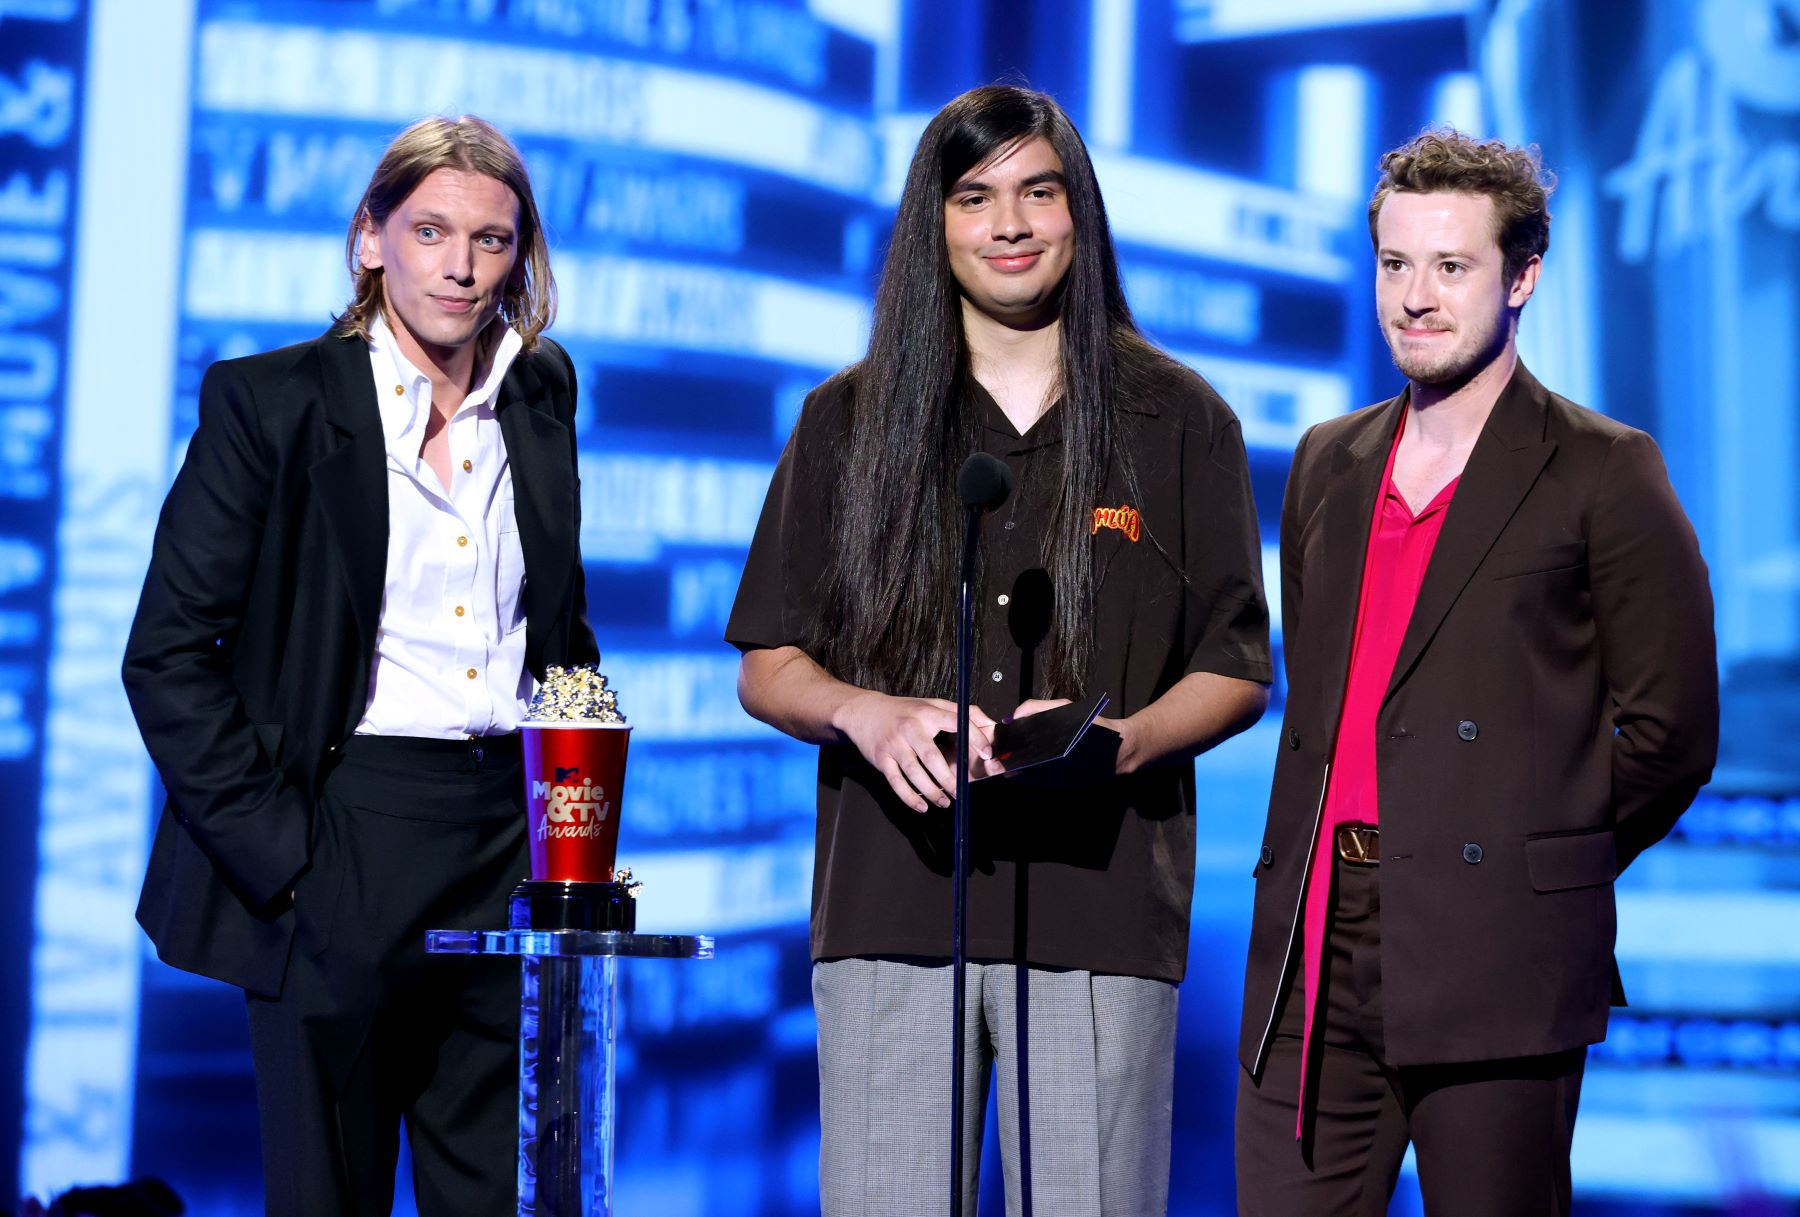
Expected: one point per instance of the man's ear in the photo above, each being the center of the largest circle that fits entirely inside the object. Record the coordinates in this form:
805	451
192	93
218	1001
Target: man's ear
1525	282
368	244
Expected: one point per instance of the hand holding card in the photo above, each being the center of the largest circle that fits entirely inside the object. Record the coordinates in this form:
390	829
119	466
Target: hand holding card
1063	745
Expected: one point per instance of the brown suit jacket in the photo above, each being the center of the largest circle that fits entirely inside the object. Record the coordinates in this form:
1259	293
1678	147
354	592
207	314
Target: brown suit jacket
1553	709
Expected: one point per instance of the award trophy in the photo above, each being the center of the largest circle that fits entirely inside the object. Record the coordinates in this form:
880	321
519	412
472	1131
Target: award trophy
570	923
574	776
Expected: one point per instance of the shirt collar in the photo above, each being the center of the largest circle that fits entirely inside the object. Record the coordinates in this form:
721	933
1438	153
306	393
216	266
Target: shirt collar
1047	430
1391	498
401	412
1043	432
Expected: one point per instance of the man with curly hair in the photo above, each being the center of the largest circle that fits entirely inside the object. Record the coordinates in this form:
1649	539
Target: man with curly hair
1502	689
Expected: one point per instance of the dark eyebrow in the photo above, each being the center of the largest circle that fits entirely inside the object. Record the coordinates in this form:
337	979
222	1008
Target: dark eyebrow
968	185
1442	255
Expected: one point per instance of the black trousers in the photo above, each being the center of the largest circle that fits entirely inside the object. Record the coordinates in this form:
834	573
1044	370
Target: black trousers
369	1031
1492	1137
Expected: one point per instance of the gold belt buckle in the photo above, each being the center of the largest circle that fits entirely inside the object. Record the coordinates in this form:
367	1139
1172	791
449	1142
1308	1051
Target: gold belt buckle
1359	844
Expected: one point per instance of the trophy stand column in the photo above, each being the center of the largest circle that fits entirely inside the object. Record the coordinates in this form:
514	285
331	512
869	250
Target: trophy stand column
567	1043
567	1040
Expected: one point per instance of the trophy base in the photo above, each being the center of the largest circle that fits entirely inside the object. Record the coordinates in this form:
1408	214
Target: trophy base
541	905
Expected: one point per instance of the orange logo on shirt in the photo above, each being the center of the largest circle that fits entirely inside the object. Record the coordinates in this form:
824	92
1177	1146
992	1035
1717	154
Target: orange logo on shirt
1125	519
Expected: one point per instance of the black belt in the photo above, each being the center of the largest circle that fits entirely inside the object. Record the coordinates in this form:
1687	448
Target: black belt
474	752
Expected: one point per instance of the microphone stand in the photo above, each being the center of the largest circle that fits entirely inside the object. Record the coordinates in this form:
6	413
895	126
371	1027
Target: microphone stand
965	660
983	483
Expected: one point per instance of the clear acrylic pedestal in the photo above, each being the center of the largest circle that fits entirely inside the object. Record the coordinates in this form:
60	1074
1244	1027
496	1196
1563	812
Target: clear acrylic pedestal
567	1038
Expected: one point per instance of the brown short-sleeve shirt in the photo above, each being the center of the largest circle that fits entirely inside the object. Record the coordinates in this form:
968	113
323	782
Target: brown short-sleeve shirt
1099	877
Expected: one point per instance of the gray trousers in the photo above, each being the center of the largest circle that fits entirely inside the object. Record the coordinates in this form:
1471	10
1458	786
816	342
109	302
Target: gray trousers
1101	1063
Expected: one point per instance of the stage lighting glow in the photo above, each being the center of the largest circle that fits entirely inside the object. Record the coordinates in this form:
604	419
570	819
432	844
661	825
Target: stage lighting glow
717	182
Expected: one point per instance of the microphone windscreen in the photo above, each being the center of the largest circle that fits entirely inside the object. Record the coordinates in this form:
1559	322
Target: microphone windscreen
984	482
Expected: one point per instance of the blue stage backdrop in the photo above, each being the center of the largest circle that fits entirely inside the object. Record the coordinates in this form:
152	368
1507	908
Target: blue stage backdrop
718	178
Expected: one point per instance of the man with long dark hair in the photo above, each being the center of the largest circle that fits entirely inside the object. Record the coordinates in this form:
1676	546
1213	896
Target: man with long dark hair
1126	562
1501	690
346	608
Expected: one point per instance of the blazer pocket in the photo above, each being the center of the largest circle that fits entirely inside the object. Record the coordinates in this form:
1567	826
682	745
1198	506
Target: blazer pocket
1537	560
1560	862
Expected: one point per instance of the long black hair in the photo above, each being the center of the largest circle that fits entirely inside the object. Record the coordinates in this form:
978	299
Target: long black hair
890	586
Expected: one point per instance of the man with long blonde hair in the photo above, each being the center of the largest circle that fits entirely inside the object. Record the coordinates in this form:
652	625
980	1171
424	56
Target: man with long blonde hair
368	556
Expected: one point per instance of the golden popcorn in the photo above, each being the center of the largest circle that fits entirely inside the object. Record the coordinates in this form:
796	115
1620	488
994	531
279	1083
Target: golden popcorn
574	695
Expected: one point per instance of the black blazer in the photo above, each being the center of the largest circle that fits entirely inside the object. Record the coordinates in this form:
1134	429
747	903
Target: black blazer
248	661
1553	709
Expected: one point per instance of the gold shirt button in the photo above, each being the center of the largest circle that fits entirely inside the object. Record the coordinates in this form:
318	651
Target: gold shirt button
462	540
471	673
399	390
468	465
459	610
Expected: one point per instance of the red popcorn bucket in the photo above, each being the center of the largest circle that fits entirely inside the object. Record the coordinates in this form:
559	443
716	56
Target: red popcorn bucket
574	778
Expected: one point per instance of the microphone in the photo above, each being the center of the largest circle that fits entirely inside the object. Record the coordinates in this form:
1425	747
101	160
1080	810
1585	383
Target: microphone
983	483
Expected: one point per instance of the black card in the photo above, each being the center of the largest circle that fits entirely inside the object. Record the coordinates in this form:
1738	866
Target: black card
1049	735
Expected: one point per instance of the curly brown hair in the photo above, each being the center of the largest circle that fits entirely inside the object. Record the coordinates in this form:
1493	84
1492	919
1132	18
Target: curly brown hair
528	303
1515	179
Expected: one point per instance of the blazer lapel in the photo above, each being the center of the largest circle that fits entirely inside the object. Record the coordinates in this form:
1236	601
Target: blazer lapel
1508	456
351	479
538	448
1357	463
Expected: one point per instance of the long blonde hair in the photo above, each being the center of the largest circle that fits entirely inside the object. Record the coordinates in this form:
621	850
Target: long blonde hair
528	303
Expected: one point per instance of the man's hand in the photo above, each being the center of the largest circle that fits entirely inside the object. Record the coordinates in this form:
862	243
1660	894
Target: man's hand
1197	712
1037	705
784	687
898	735
989	767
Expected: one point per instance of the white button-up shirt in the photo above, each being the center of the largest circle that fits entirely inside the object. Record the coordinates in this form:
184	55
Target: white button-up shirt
450	651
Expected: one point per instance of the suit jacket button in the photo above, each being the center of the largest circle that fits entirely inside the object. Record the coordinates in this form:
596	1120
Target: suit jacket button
1268	856
1293	738
1466	729
1472	853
